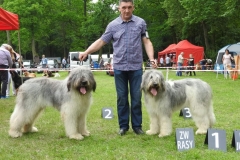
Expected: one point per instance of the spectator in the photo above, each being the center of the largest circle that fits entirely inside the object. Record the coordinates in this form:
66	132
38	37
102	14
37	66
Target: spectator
209	64
203	63
44	62
64	62
161	61
101	62
15	59
180	64
173	60
5	62
226	61
168	61
191	65
127	63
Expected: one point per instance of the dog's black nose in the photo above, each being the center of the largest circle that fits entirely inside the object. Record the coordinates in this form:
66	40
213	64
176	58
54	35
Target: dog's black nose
155	84
84	83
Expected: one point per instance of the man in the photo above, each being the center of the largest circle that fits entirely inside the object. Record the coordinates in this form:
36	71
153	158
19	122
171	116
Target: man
5	62
180	64
64	62
44	63
191	65
127	33
161	61
168	61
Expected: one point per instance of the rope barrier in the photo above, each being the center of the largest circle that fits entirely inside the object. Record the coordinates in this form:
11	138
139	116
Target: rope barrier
102	70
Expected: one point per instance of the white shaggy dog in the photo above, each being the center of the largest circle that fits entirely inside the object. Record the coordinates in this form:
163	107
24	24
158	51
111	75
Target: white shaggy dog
162	98
72	97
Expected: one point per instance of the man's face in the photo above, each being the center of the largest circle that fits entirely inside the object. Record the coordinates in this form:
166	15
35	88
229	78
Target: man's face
126	9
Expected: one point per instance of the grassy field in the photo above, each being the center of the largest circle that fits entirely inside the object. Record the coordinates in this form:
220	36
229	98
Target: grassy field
105	143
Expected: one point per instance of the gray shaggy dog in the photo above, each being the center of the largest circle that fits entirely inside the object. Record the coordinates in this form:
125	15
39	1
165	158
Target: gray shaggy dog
162	98
71	96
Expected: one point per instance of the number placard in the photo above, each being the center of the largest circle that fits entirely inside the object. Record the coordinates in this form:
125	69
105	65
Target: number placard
236	140
107	113
216	139
185	112
185	139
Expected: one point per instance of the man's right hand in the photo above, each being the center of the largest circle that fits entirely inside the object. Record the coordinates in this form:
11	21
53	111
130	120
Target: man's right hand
82	56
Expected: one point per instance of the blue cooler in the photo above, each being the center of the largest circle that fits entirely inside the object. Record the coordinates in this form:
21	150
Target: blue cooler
95	65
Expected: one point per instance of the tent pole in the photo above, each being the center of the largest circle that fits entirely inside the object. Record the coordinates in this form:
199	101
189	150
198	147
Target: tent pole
19	51
19	47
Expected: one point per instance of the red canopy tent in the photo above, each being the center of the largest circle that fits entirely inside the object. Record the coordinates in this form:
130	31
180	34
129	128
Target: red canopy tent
186	47
8	20
166	51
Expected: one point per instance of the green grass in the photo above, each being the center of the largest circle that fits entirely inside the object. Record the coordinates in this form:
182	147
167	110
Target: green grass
104	143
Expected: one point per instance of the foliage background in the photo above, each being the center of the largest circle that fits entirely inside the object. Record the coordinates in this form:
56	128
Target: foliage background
55	27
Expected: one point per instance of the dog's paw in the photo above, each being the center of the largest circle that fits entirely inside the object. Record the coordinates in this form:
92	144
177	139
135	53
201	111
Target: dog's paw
86	133
76	136
27	129
34	129
15	134
163	135
199	131
150	132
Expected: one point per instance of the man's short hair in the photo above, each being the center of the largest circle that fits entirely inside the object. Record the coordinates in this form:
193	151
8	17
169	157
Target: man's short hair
126	1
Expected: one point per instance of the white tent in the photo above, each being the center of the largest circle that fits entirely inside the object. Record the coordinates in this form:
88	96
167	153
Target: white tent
234	49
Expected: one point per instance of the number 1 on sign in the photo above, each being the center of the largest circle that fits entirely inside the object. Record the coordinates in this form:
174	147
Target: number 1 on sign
216	139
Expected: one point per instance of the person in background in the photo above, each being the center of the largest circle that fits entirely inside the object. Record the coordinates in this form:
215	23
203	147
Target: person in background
226	61
64	62
5	62
168	61
209	65
180	63
127	63
161	61
173	61
191	65
203	63
44	62
15	60
101	62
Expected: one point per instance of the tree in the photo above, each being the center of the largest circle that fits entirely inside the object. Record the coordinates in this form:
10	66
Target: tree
98	16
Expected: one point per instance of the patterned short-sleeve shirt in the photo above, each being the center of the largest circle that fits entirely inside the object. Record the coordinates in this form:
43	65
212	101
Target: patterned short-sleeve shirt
126	38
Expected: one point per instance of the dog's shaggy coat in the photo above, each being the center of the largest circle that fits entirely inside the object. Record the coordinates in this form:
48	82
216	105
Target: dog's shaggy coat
162	98
72	97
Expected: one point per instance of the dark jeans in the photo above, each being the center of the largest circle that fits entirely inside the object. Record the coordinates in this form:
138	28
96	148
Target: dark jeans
134	79
179	68
191	70
3	81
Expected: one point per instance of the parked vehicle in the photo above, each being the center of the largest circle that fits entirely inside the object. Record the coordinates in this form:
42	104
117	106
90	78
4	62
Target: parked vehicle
74	61
26	65
52	66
